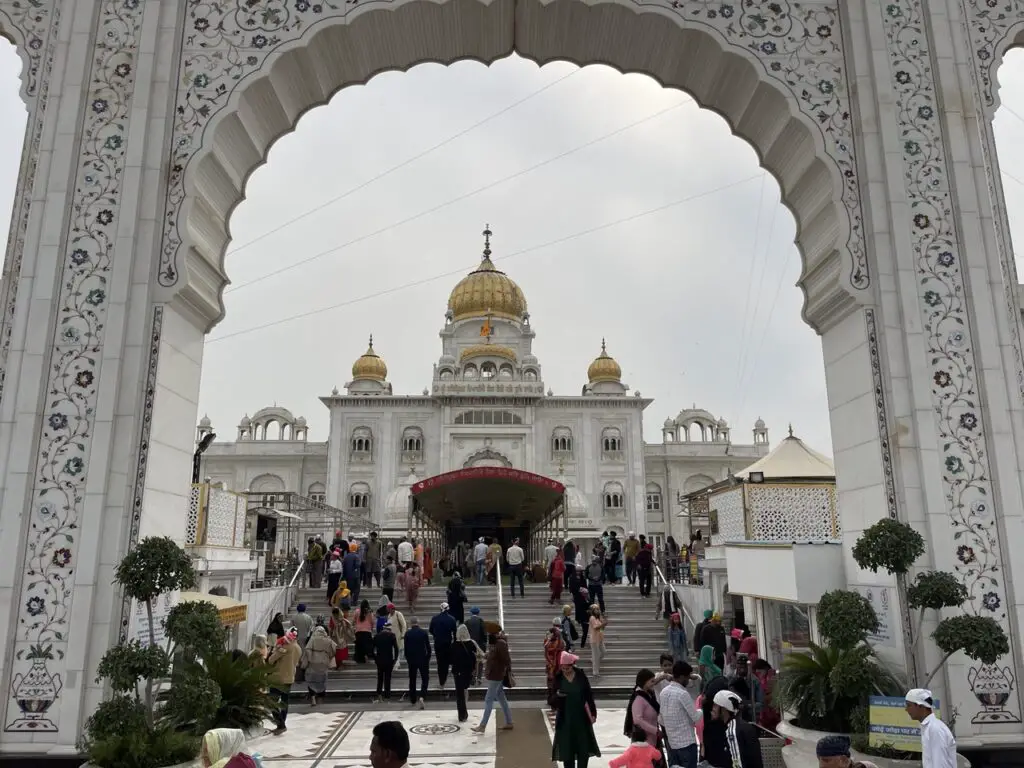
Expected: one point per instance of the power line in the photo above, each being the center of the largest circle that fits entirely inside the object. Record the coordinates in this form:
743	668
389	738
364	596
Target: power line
744	339
750	270
457	199
764	332
424	281
401	165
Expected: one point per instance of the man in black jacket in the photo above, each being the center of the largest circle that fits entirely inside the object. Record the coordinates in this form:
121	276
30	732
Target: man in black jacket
443	627
417	655
713	634
741	736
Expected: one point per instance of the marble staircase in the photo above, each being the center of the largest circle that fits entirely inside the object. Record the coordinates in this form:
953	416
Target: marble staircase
635	639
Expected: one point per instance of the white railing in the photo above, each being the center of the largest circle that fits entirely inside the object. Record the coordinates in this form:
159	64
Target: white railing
216	518
686	614
501	604
277	605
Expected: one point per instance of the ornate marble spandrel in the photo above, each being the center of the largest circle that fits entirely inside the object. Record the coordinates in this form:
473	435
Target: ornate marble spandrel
727	508
36	24
792	512
48	582
799	45
947	332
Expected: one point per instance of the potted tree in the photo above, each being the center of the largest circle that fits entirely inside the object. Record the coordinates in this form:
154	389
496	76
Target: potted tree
124	731
846	619
825	691
203	687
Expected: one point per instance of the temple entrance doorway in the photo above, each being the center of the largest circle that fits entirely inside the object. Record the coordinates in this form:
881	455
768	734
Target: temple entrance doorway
497	504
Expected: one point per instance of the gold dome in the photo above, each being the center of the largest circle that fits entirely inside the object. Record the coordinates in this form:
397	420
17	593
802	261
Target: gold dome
604	368
485	350
370	366
487	291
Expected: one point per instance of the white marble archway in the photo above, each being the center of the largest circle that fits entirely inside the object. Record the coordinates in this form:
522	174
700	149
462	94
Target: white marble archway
145	119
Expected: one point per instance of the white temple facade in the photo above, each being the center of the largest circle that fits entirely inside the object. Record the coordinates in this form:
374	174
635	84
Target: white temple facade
487	406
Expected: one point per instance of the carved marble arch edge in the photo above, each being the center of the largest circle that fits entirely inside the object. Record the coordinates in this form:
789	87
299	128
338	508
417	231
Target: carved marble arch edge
268	102
17	35
1011	37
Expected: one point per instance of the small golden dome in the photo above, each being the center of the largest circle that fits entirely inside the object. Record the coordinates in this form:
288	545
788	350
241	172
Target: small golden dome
370	366
487	291
488	350
604	368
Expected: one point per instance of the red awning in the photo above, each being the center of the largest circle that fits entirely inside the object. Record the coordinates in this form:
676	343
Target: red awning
508	493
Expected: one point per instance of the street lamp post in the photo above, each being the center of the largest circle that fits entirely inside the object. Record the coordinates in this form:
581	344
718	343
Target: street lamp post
197	457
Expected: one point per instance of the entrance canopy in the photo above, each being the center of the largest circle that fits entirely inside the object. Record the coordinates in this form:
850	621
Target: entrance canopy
506	493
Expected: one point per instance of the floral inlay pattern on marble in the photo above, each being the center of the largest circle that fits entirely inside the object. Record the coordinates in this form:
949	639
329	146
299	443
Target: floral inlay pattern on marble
36	23
990	23
947	335
59	482
799	44
142	453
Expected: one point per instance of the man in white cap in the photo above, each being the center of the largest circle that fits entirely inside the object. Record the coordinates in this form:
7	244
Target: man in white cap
741	736
938	747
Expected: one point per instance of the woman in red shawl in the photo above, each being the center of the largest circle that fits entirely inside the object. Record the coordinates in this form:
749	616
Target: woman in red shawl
748	645
768	716
553	647
556	579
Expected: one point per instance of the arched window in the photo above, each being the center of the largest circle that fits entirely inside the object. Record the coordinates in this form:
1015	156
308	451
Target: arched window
469	372
614	498
359	496
653	497
561	442
530	375
362	443
446	374
611	441
318	493
488	370
412	440
505	371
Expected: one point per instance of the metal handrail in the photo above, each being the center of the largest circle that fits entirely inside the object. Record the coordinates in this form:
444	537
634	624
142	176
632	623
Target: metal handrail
497	580
265	619
666	582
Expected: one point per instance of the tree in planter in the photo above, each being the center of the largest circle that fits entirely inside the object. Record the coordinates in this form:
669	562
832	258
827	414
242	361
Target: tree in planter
827	689
894	547
123	732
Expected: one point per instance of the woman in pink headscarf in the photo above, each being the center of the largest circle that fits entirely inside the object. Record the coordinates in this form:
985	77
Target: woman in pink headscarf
572	698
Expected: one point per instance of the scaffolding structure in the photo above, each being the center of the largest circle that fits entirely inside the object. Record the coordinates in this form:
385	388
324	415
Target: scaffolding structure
297	519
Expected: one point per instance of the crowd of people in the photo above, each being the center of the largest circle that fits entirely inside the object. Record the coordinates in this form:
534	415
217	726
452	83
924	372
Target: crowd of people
677	717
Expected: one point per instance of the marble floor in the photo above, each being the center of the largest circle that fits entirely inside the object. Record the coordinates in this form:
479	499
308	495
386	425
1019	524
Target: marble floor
438	740
607	729
342	740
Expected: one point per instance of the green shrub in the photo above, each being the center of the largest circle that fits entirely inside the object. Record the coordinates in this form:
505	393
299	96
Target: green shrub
846	618
826	688
233	694
144	748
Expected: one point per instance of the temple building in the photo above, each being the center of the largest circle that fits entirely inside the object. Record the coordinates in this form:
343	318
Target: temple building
488	448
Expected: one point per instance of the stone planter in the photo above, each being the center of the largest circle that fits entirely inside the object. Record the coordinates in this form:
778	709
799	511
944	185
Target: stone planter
800	752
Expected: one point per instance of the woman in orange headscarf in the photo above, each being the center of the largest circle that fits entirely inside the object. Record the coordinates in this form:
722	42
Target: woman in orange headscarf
428	564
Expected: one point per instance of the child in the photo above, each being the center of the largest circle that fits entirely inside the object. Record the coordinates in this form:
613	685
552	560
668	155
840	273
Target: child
639	755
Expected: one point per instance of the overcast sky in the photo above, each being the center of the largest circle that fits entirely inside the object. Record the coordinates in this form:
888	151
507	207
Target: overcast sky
697	298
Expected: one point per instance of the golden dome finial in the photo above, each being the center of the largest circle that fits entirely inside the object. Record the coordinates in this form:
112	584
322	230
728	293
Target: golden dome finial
604	367
487	291
370	366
